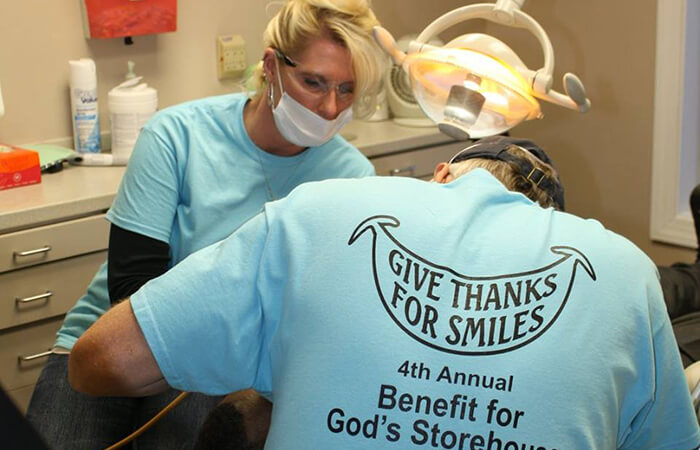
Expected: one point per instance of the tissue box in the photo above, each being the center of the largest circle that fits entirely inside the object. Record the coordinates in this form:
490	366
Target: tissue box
18	167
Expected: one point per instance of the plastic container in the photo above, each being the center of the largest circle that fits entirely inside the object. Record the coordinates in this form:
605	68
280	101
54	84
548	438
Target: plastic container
84	108
131	104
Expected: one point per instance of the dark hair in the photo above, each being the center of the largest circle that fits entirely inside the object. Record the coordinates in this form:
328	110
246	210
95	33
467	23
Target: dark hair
224	429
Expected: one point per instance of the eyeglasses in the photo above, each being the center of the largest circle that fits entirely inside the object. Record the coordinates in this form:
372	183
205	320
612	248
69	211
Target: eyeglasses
462	155
317	86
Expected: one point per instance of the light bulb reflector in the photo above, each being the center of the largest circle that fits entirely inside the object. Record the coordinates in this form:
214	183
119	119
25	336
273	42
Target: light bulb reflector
463	106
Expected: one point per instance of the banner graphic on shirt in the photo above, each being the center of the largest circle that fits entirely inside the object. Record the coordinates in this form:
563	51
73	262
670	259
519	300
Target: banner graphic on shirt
468	315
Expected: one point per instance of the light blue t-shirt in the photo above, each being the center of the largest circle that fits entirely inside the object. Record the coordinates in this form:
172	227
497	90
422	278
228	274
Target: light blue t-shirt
395	313
194	177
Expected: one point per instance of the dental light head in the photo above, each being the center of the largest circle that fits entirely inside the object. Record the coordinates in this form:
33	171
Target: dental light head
475	85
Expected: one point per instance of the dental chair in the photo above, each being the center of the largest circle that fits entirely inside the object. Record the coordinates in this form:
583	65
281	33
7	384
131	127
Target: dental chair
680	283
681	287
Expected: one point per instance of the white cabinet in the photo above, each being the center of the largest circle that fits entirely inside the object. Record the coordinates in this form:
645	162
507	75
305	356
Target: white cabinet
53	237
417	163
397	150
43	271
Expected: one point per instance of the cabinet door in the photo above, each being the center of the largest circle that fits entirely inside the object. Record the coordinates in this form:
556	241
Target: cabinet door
53	242
46	290
418	163
21	397
24	350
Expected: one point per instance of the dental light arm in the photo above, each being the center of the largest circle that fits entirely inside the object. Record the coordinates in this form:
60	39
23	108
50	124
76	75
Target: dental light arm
446	60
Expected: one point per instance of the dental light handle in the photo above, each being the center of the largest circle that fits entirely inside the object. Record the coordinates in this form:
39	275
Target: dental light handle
575	97
506	12
387	42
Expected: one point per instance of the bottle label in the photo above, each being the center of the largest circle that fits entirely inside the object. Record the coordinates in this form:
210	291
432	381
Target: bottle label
125	130
86	121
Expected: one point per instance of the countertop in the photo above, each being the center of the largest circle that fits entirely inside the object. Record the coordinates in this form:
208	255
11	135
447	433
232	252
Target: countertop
386	137
81	191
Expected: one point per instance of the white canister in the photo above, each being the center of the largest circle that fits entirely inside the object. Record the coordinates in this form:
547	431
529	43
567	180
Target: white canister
131	104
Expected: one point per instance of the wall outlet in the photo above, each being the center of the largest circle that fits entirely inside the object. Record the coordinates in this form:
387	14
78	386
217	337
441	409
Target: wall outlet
230	56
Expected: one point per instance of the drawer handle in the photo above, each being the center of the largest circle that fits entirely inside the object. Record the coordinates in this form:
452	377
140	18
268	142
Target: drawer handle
22	301
406	171
36	251
22	359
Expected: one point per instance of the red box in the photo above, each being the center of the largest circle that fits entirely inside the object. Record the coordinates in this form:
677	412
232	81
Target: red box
105	19
18	167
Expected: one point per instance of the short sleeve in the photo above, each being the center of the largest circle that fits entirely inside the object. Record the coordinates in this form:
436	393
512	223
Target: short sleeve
354	163
668	420
149	192
203	318
367	171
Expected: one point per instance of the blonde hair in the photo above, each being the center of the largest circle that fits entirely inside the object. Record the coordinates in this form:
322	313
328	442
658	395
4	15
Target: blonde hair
509	174
348	22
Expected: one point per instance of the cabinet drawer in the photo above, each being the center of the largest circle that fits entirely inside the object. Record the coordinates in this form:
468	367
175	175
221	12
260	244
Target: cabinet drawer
416	163
30	343
20	397
46	290
53	242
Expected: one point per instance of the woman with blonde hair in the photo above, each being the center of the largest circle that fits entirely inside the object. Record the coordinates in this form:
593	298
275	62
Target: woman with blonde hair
198	171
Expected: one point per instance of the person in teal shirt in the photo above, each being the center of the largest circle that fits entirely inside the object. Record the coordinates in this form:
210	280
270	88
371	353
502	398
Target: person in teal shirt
389	312
201	169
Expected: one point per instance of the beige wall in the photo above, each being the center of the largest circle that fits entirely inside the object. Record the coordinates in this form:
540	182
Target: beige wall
604	156
38	37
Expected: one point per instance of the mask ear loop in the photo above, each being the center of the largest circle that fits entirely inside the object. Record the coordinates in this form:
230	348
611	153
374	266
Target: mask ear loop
271	98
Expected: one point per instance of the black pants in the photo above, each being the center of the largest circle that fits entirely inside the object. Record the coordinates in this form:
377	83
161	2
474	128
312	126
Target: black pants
70	420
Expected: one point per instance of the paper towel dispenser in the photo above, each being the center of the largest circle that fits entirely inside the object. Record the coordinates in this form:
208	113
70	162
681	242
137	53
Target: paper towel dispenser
104	19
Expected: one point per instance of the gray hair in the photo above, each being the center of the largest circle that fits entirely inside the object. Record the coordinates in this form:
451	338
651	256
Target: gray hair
509	174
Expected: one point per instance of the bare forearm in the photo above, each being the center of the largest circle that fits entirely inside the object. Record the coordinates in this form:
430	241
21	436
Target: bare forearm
95	382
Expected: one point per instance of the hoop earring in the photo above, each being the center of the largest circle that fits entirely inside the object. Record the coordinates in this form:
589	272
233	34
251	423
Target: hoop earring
270	96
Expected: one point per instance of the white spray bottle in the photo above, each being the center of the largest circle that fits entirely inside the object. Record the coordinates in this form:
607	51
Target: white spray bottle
83	101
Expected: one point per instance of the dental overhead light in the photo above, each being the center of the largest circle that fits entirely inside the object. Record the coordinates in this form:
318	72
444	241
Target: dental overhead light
475	85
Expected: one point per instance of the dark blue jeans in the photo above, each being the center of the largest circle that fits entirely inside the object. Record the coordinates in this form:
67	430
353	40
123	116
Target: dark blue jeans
68	419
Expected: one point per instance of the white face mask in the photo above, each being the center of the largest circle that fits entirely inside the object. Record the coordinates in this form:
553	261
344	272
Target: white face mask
301	126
